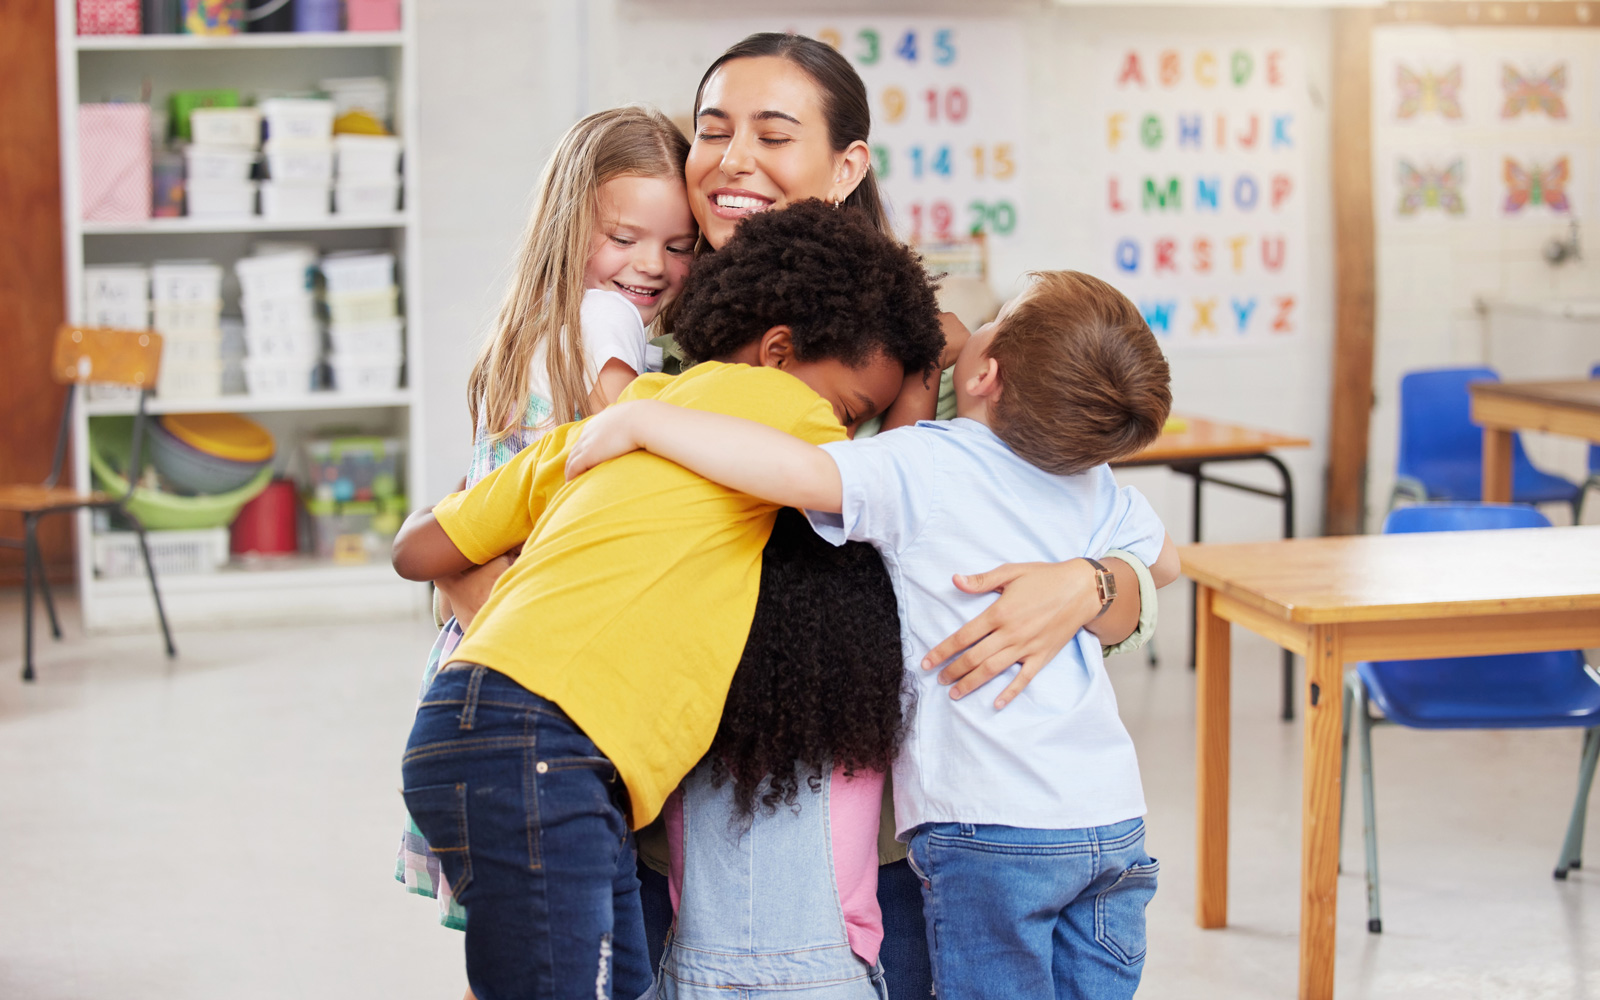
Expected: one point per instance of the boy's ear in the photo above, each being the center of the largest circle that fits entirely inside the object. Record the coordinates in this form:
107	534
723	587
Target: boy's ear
985	382
776	348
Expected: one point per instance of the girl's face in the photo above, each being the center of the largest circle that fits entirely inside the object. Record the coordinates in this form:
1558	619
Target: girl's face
643	242
761	142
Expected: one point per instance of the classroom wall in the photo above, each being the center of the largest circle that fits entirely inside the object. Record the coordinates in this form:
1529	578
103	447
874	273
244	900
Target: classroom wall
498	91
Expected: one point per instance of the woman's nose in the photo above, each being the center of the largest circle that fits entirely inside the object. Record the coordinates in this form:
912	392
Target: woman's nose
739	158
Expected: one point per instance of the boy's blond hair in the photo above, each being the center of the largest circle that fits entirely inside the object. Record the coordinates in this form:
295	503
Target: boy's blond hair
1082	378
541	303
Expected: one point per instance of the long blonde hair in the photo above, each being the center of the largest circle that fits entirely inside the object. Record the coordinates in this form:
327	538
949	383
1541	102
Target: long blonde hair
541	304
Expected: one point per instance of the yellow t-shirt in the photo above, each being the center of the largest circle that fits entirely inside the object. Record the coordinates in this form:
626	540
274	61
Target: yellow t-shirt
633	596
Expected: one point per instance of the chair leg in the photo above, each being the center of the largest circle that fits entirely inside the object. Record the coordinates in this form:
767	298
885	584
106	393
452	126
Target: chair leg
28	542
150	571
44	588
1369	811
1572	847
1344	757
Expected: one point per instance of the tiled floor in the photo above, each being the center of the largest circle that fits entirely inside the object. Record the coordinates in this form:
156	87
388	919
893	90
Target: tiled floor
224	826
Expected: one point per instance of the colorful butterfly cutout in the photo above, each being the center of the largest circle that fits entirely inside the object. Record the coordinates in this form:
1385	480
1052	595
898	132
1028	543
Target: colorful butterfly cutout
1537	184
1534	93
1432	187
1427	91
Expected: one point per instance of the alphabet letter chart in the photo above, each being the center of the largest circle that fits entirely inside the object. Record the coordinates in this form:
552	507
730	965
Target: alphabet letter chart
1202	209
948	99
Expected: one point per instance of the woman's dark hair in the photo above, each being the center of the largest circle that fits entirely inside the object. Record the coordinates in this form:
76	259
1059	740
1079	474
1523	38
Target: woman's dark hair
844	101
844	289
820	682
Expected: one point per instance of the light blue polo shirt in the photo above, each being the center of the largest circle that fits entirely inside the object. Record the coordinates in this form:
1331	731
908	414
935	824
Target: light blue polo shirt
947	497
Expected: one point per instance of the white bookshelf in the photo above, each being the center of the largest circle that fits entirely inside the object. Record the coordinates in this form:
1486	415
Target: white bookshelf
115	67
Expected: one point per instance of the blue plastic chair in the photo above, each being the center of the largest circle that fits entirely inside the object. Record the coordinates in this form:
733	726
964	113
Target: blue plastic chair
1441	449
1593	482
1516	691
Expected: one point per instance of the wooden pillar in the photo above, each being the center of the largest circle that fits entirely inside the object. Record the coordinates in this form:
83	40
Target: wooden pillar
32	302
1213	691
1354	279
1319	833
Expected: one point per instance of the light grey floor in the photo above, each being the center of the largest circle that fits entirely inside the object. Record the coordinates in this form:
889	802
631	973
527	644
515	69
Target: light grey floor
224	826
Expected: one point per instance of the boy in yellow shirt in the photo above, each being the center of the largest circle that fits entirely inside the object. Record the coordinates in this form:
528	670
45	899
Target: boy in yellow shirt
593	678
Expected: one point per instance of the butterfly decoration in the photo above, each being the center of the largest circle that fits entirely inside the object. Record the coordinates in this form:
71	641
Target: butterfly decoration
1432	187
1537	184
1427	91
1534	93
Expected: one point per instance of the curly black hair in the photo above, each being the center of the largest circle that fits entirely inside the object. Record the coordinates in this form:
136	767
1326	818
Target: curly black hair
844	289
821	679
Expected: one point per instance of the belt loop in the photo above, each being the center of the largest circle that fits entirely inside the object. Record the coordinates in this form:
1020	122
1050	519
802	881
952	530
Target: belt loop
469	711
967	829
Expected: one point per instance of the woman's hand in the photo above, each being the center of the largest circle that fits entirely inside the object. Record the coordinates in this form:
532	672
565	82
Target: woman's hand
1040	608
608	434
468	591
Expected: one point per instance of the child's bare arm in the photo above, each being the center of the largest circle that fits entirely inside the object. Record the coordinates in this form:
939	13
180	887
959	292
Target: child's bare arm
1166	567
742	454
422	551
613	378
919	396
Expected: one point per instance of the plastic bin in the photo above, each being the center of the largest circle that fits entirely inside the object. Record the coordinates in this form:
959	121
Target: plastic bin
368	157
218	164
354	468
294	200
358	272
114	162
363	375
347	532
358	93
367	199
190	348
237	128
316	15
298	118
363	307
372	15
302	161
221	199
379	338
279	377
109	17
166	185
214	17
195	380
275	275
124	316
180	318
186	281
269	315
172	553
108	288
303	344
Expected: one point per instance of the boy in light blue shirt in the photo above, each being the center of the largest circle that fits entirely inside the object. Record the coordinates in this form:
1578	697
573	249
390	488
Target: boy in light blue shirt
1025	825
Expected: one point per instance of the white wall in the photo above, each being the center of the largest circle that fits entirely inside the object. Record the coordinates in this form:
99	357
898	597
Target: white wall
498	88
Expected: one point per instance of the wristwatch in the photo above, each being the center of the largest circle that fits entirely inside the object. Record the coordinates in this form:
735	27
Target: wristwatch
1104	583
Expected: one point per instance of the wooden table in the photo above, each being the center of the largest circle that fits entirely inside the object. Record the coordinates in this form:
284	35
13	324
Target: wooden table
1200	442
1502	408
1372	597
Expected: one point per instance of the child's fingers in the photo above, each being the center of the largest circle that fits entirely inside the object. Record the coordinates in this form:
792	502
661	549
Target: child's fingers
987	669
959	640
994	579
1030	669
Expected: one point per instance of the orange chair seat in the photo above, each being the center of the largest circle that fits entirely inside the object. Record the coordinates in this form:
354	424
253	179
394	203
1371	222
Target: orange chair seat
33	499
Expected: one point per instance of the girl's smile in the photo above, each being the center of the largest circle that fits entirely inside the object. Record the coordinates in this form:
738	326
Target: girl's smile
643	242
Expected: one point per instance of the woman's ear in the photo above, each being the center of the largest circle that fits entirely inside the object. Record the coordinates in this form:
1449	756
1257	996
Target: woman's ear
775	349
849	168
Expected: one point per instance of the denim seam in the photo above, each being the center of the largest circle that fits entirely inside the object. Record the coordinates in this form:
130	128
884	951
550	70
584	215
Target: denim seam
469	711
520	706
1101	926
530	795
445	748
1038	850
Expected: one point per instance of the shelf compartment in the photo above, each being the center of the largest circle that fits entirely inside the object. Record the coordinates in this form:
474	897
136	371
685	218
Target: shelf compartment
252	404
253	224
254	40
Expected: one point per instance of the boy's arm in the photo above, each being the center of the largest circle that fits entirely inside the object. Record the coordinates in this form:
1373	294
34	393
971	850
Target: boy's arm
422	551
741	454
919	395
1166	567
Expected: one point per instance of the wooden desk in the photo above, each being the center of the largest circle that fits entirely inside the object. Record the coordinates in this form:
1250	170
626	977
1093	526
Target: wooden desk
1502	408
1371	597
1189	450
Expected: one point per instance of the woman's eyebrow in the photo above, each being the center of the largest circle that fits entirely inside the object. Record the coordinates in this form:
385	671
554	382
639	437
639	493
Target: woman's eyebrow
760	116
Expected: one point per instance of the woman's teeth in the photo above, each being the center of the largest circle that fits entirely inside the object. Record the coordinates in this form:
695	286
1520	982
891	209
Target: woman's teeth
739	201
648	293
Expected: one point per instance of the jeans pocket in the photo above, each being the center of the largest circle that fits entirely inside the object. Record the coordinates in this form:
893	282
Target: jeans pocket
440	812
1119	912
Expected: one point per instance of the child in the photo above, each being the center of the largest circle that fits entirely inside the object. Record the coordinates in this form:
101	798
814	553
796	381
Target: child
606	251
1024	825
592	679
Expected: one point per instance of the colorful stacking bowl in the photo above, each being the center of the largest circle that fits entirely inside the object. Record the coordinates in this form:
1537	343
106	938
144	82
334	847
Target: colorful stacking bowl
209	453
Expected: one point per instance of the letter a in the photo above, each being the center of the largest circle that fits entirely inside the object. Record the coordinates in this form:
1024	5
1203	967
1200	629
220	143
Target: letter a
1131	71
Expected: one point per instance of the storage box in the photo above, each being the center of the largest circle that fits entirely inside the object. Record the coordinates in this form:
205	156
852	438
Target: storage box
172	553
109	17
116	285
184	103
366	199
351	533
180	318
383	338
358	271
237	128
166	183
275	275
124	316
302	161
282	312
217	164
303	344
298	118
214	17
195	380
363	307
354	468
316	15
372	15
279	377
182	349
114	162
221	199
358	93
368	157
186	281
294	200
365	375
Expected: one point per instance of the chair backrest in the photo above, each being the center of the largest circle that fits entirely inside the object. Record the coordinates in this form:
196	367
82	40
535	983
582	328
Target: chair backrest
101	354
1594	449
1462	516
1436	417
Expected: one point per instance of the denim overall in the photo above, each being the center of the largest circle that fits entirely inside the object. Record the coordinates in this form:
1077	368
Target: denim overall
759	913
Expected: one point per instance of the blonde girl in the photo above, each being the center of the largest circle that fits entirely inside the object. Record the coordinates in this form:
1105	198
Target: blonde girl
605	253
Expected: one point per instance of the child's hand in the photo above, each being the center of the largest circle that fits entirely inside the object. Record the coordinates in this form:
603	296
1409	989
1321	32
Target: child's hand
468	591
608	434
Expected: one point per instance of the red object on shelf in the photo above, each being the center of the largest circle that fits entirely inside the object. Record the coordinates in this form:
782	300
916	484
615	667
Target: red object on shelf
269	524
109	17
372	15
114	161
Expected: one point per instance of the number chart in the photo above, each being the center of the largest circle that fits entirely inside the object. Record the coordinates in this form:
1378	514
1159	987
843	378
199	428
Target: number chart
1202	210
948	98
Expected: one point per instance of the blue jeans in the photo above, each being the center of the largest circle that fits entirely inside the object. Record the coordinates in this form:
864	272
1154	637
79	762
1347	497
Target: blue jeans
1034	913
904	955
526	817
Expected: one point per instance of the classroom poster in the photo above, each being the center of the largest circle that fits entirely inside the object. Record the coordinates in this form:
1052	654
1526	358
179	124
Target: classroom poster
1202	208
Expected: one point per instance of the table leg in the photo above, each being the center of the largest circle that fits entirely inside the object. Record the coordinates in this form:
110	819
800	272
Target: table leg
1212	680
1319	835
1497	465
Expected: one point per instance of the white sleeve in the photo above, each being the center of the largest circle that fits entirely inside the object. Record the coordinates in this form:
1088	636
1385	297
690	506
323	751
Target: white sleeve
888	493
611	329
1135	526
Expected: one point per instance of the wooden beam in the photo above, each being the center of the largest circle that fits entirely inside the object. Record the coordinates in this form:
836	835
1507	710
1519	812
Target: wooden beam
1354	281
1455	13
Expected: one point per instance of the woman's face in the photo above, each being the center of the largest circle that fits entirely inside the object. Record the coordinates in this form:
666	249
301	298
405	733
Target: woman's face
761	142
